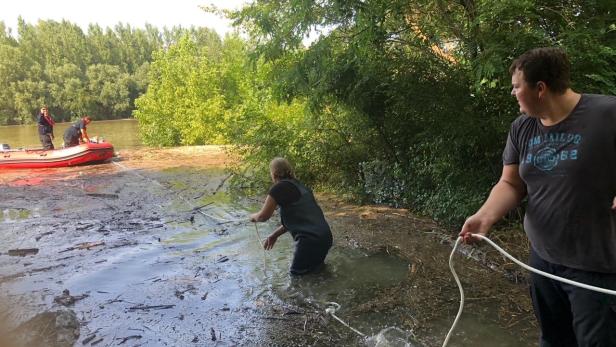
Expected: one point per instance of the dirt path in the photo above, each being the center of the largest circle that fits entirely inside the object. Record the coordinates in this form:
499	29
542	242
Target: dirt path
151	250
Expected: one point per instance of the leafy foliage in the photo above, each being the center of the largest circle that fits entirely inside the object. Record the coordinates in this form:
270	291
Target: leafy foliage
100	72
427	80
184	104
406	102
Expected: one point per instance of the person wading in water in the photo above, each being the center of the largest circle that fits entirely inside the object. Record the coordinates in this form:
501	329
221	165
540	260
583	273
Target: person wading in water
300	215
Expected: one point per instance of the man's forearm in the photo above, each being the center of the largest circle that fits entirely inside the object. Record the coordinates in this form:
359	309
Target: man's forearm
503	197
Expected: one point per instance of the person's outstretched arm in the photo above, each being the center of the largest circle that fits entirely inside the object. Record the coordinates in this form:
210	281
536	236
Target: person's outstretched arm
266	211
505	195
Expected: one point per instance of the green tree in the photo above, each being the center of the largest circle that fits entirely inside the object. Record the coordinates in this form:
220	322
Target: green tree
28	96
68	91
183	104
100	73
109	89
12	69
428	79
54	43
103	46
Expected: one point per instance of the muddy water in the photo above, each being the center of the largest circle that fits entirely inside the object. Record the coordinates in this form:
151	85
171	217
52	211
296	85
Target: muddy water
165	257
122	133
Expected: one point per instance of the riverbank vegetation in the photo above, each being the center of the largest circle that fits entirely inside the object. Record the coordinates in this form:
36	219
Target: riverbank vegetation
99	72
404	103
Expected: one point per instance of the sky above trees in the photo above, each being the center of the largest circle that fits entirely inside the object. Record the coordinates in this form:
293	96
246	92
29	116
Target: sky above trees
108	13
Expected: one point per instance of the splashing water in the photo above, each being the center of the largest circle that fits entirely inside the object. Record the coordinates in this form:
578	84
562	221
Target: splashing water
392	337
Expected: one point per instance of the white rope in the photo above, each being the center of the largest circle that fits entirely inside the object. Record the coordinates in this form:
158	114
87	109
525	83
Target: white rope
529	268
455	276
259	240
564	280
333	307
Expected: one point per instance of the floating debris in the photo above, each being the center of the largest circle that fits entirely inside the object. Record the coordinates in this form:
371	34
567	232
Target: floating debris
88	339
23	252
213	334
66	299
101	195
84	245
152	307
124	339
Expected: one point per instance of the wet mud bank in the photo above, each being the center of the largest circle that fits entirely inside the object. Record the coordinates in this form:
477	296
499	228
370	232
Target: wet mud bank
152	250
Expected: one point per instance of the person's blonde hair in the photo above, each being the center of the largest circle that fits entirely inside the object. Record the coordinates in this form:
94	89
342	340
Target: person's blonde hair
281	168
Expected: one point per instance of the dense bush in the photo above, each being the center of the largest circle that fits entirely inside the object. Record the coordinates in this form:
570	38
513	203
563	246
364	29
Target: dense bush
404	102
428	83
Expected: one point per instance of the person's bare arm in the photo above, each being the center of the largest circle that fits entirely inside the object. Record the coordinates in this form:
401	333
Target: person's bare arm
271	239
505	195
266	212
84	136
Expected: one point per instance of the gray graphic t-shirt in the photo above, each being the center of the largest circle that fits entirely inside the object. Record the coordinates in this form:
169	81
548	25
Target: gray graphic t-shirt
570	174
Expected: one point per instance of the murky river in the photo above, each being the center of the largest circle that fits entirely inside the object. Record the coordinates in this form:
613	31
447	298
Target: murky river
122	133
164	256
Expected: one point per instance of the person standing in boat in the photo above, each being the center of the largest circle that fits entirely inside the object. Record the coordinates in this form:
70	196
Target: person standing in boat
300	215
45	128
77	133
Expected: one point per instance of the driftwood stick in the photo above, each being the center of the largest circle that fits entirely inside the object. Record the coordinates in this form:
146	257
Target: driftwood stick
151	307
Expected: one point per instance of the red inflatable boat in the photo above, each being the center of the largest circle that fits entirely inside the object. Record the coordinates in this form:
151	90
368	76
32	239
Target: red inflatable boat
85	153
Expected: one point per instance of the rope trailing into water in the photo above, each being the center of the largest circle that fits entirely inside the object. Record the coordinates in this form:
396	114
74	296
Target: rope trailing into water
333	307
258	236
455	276
261	245
331	310
523	265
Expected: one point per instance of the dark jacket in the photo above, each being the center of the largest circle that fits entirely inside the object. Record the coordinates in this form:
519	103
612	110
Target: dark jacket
44	126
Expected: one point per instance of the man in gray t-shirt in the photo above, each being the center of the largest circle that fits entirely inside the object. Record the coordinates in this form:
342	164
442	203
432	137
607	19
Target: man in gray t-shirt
561	155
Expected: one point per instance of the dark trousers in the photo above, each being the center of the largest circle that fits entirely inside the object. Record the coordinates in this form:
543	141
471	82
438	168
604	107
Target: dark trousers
46	141
309	255
569	315
71	140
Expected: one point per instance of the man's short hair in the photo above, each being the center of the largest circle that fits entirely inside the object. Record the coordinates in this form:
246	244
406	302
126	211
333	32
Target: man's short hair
547	64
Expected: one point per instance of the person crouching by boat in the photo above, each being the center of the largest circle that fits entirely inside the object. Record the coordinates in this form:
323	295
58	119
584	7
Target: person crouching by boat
45	128
300	215
77	133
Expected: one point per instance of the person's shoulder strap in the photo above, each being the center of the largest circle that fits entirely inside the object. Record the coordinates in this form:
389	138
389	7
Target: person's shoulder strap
297	184
285	192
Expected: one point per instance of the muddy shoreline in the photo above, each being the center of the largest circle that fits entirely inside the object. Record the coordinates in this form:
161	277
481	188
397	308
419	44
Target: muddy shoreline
152	250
